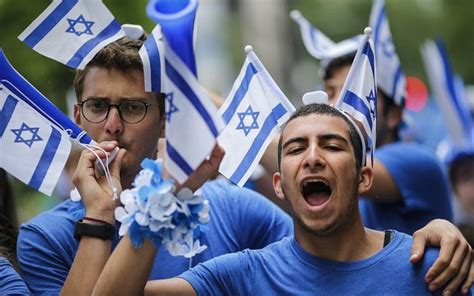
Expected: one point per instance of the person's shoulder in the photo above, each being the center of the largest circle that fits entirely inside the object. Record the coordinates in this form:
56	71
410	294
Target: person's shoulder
410	156
404	248
62	216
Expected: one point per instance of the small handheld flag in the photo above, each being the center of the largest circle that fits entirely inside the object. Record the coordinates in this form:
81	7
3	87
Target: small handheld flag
253	111
358	96
390	77
448	93
318	44
72	31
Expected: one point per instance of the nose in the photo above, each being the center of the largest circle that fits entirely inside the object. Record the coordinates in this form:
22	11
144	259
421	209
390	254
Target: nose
314	158
113	123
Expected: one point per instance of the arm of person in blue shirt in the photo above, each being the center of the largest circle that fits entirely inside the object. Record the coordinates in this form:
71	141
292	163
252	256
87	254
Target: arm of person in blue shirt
127	271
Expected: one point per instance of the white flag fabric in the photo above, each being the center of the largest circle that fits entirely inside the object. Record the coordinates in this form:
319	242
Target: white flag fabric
358	96
192	121
319	45
72	31
252	112
391	79
152	56
32	149
448	93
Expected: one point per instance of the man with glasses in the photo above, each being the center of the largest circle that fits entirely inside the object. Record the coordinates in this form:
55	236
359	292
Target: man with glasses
65	249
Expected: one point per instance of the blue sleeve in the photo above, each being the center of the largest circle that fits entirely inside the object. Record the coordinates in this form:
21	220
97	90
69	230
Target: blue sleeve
223	275
419	177
256	221
10	281
44	261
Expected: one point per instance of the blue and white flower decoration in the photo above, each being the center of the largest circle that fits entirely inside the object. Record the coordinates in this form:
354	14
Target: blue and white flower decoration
151	211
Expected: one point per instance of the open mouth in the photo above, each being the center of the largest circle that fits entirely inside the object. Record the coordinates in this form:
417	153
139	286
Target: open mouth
316	192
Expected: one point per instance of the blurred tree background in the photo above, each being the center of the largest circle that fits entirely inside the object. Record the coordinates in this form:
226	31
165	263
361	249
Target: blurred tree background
231	24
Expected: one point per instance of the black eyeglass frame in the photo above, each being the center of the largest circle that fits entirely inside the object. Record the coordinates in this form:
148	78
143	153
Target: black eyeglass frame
109	106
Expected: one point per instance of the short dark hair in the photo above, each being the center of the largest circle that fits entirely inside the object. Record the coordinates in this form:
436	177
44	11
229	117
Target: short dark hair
336	64
121	55
324	109
461	170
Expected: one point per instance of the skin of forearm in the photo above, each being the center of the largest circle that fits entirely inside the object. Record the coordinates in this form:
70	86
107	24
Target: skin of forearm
90	259
127	270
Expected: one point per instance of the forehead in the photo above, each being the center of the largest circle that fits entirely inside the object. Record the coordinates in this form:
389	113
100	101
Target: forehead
111	83
314	125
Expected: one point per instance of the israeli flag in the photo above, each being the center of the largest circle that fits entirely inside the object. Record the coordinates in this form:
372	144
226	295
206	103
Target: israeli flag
389	72
72	31
32	150
448	93
358	96
253	112
192	121
152	56
318	44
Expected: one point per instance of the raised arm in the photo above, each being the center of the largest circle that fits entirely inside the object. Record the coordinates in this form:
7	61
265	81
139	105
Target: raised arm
96	195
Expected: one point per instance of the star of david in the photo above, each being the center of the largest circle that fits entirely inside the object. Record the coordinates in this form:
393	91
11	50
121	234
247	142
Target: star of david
83	26
373	103
388	48
33	134
171	108
242	123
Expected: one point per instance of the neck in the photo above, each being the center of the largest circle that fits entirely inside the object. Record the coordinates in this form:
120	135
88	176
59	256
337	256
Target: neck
349	242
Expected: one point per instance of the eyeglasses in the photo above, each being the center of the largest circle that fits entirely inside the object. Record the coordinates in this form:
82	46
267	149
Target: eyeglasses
130	111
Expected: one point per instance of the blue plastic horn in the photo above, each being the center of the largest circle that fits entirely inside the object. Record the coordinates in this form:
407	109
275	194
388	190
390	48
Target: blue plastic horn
176	19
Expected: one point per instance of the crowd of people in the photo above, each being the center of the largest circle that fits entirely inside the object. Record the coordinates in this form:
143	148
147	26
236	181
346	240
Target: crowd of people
339	226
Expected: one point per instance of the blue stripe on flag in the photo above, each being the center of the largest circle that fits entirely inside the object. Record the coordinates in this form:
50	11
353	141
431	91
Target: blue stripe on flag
49	22
370	55
240	93
183	86
357	103
268	125
6	113
87	47
378	26
398	75
178	159
155	63
46	159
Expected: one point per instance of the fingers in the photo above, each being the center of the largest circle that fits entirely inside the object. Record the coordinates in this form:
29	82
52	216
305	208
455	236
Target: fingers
216	157
459	267
446	253
420	239
467	284
208	169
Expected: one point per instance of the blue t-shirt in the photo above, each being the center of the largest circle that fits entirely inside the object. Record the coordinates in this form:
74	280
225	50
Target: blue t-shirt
422	183
284	268
240	219
10	282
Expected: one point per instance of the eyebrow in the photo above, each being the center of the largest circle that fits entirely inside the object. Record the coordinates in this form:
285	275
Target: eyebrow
323	137
294	140
331	136
121	99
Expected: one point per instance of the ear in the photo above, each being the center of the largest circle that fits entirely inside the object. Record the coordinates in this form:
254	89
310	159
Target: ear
394	117
277	185
366	178
77	114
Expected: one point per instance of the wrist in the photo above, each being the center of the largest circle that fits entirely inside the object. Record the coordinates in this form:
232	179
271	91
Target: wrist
101	215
